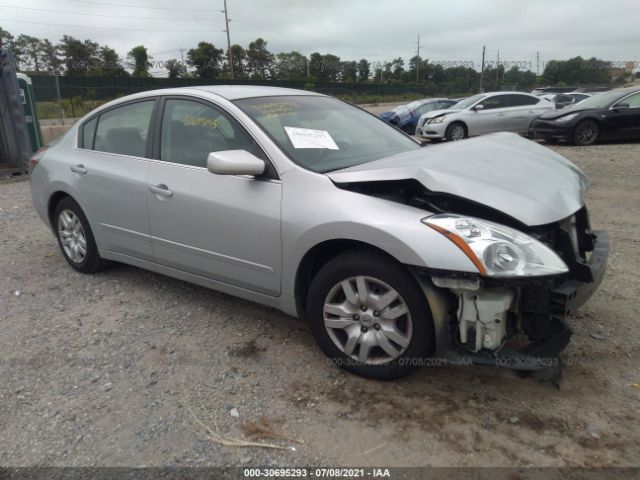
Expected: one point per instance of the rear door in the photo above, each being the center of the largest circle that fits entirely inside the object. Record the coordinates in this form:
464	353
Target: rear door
111	177
523	109
225	228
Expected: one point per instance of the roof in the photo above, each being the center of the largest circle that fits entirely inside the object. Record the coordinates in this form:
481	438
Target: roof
236	92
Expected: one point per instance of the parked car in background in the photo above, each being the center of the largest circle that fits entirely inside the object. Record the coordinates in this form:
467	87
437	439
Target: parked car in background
612	115
484	113
305	203
563	100
406	117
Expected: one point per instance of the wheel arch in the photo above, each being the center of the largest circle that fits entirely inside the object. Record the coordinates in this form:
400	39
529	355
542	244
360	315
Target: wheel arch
319	255
55	198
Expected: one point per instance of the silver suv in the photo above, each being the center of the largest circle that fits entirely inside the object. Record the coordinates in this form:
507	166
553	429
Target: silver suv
481	114
391	251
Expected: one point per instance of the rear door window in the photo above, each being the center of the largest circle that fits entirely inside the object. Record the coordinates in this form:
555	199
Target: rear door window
124	130
522	100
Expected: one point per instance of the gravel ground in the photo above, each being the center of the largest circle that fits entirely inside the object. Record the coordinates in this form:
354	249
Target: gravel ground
115	368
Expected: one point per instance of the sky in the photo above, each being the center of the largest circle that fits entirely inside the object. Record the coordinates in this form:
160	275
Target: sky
450	31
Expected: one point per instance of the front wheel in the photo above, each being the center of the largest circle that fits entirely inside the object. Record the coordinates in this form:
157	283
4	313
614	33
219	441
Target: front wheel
369	315
586	133
456	131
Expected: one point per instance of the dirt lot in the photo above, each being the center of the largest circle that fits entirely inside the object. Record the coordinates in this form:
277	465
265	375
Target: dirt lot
110	369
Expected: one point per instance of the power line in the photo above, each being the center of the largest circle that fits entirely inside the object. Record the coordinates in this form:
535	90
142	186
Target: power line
353	46
107	28
108	16
136	6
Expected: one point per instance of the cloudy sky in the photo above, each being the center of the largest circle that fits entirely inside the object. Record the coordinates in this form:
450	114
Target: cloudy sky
453	30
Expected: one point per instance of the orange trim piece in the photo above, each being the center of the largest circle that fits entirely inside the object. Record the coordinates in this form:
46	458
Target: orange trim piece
462	245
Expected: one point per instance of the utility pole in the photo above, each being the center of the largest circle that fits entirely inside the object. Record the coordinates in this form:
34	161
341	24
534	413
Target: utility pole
538	64
226	21
497	68
418	63
482	71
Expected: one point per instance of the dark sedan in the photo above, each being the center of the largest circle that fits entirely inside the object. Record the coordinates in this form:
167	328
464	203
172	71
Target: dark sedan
613	115
406	117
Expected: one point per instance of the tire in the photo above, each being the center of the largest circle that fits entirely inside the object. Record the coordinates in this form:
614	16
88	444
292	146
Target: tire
586	133
74	235
456	131
409	336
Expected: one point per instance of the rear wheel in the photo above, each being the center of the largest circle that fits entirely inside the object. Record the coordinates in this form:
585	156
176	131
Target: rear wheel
586	133
369	315
456	131
75	237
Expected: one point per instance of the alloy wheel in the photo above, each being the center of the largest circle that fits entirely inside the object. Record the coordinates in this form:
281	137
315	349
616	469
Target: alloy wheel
457	132
72	236
586	133
367	320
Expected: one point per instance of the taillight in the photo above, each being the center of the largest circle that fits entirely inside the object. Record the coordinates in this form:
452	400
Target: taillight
33	161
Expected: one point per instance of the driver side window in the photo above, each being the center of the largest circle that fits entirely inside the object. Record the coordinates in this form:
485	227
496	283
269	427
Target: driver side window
191	130
633	101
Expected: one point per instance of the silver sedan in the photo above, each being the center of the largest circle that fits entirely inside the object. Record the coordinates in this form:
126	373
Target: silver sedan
483	113
391	251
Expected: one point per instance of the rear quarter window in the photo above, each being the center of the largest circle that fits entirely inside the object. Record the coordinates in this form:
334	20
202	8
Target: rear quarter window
88	132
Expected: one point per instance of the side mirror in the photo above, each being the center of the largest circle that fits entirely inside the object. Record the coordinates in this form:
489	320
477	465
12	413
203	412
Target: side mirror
235	162
621	106
478	107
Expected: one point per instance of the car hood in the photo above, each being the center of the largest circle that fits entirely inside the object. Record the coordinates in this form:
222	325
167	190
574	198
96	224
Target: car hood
504	171
436	113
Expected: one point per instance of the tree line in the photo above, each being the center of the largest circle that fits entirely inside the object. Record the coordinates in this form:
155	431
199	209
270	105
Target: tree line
75	57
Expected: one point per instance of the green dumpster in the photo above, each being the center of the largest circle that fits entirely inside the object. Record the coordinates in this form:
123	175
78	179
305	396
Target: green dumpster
31	116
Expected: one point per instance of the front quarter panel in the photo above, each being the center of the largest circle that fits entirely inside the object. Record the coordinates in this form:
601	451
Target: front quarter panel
315	210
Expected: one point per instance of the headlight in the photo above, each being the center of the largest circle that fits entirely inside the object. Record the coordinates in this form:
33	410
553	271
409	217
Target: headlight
567	118
439	119
496	250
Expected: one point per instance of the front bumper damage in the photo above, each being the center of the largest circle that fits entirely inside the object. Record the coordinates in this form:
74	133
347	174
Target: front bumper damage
513	323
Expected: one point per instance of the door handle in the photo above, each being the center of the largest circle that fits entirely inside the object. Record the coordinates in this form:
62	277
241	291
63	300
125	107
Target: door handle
161	190
81	169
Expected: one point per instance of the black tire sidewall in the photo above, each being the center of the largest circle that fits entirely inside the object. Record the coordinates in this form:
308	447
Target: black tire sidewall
92	259
378	266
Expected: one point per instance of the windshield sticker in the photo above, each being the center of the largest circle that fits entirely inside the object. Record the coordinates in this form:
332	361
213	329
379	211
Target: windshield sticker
275	108
309	138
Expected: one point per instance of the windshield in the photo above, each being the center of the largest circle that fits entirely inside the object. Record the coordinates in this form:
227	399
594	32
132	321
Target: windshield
467	102
601	100
323	133
413	105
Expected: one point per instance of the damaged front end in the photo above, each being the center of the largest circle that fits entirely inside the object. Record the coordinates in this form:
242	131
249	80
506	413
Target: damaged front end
517	322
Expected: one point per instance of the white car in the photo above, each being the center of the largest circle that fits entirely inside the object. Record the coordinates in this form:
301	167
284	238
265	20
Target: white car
483	113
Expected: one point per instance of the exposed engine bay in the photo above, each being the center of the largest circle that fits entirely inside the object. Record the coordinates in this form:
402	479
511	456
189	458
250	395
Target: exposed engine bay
511	322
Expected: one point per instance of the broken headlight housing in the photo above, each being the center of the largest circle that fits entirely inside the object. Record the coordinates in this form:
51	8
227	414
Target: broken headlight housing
496	250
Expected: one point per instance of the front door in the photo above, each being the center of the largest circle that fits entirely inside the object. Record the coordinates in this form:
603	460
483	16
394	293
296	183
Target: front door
222	227
624	123
491	118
